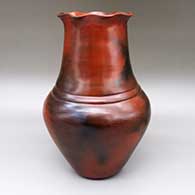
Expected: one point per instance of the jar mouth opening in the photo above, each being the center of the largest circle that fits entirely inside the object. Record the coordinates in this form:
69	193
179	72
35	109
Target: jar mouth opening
80	14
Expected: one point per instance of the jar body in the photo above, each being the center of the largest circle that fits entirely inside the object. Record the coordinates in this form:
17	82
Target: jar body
97	139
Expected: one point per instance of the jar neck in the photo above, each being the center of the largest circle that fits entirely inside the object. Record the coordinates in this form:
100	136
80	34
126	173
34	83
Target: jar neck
95	57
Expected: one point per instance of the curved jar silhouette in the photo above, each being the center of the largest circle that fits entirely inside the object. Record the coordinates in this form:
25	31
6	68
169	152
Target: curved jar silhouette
96	113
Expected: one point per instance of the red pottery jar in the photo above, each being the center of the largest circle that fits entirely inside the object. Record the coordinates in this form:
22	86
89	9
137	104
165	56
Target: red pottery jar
96	113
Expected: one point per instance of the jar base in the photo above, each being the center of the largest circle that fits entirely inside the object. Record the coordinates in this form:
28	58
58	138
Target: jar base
99	177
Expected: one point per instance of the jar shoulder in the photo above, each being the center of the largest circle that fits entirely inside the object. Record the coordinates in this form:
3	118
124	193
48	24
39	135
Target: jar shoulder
136	108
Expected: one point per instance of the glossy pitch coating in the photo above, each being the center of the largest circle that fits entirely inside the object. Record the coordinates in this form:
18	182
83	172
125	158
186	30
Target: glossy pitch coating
96	113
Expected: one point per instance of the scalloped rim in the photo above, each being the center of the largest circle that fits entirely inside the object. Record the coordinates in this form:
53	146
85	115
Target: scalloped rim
79	14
